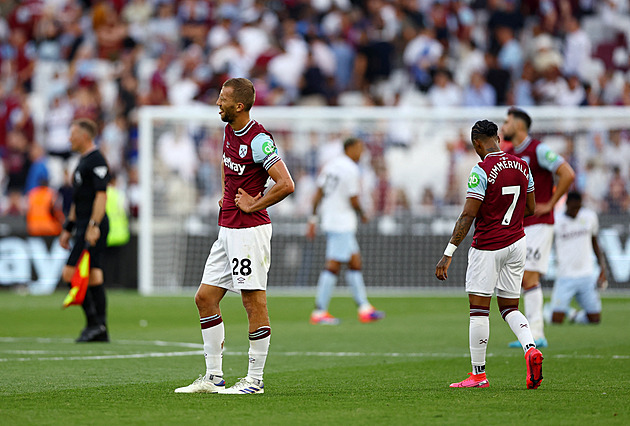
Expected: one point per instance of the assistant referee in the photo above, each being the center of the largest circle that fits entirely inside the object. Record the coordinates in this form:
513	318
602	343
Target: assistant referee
88	222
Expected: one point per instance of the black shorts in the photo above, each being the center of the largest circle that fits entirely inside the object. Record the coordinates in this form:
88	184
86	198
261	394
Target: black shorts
95	251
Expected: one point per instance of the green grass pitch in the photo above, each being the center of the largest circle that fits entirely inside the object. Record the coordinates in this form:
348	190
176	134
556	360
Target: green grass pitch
393	372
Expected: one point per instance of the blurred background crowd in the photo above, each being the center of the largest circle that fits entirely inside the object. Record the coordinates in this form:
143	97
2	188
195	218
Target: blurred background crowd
103	59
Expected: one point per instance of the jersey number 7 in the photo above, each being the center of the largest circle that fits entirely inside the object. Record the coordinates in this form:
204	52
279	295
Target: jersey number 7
515	191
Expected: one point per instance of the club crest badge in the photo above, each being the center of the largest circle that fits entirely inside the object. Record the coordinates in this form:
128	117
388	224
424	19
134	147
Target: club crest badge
242	151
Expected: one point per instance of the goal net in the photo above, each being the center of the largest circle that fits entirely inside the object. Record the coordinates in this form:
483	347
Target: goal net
414	177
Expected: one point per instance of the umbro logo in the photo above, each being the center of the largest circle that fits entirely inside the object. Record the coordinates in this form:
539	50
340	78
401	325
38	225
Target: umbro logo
524	326
483	341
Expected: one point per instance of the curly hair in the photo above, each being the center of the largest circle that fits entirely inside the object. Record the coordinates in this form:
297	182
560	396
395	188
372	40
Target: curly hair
484	129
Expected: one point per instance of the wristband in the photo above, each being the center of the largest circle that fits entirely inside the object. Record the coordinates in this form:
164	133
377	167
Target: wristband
450	249
68	225
312	219
94	223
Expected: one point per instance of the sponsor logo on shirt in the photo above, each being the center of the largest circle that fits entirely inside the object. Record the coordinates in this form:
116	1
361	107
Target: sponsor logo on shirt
551	156
238	168
77	178
473	180
268	148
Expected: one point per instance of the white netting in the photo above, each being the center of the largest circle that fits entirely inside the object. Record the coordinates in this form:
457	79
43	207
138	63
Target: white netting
415	175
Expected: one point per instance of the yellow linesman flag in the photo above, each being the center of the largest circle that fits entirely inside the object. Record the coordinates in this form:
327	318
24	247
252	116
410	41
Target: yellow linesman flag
79	282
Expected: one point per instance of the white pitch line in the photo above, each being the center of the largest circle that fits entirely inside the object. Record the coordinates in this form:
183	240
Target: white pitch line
162	343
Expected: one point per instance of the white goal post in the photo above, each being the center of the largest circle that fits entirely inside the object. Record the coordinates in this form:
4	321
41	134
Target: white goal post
414	146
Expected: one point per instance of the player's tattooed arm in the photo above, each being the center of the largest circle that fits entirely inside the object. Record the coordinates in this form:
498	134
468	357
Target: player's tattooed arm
462	226
465	220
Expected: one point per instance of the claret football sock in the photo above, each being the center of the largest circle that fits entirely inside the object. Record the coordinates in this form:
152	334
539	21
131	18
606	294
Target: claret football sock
213	334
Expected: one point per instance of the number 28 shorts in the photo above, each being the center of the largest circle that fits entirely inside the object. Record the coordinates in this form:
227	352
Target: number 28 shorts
239	259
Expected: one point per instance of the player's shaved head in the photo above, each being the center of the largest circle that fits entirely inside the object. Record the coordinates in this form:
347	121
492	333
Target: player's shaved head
521	115
483	130
242	91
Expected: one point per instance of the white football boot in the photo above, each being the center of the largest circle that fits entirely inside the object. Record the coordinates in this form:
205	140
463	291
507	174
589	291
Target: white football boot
245	386
204	385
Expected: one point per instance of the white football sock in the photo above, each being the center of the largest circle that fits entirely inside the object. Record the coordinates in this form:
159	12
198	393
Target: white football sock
520	327
533	303
258	349
213	333
478	334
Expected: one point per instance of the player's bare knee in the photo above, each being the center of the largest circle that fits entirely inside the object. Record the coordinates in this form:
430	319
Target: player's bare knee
355	263
333	266
205	301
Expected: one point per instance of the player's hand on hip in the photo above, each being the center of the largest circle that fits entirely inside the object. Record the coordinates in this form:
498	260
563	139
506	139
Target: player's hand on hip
64	239
441	268
543	208
92	235
244	201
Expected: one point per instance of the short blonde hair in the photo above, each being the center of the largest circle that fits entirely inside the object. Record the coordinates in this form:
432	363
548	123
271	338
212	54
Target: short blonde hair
88	125
244	91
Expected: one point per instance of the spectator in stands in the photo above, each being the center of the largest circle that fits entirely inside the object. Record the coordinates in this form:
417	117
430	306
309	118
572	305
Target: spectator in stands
444	93
57	137
43	214
16	164
479	93
617	200
38	169
522	90
616	152
551	88
510	55
574	95
577	49
498	78
421	56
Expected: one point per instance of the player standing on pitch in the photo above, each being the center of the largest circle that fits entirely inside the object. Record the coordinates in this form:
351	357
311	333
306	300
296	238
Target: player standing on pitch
339	185
543	163
89	222
240	258
500	193
576	240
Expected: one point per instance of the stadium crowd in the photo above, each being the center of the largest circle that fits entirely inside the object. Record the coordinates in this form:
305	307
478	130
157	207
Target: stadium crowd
103	59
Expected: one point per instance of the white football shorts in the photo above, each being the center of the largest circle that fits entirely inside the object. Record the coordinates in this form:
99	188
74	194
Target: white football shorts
239	259
340	246
496	269
539	241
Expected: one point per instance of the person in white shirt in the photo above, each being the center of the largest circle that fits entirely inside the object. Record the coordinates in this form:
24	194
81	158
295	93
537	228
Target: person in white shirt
338	188
575	233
